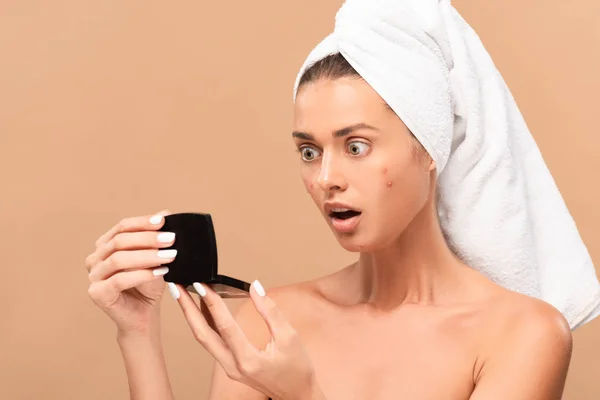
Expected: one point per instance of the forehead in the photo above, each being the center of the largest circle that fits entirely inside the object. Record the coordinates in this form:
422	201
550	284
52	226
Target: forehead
329	104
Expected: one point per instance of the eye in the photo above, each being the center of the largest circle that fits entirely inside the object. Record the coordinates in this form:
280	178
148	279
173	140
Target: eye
355	148
308	154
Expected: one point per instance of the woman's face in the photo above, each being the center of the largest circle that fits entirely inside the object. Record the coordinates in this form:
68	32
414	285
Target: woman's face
357	152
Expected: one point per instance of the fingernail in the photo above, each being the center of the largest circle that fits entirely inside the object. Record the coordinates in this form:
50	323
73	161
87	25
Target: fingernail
160	271
170	253
166	237
173	289
156	219
259	288
200	289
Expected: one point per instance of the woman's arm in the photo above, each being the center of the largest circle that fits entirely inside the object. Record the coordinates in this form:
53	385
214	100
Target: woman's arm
145	365
531	361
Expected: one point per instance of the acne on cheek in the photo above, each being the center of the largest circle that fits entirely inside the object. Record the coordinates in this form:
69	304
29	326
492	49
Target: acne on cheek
389	183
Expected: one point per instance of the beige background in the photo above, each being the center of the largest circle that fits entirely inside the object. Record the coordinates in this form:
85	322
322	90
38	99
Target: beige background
118	108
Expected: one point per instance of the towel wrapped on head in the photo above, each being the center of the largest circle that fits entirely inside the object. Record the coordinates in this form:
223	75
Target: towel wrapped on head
499	207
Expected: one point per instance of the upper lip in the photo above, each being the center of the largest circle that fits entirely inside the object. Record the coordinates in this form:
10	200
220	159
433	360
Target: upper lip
329	206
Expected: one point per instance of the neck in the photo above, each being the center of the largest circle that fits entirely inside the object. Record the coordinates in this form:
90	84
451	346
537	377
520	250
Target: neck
417	268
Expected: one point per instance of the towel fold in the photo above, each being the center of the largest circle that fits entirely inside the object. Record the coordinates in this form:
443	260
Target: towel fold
499	207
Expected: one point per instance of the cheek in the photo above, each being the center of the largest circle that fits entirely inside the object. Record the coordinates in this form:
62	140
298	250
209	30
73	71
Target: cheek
387	180
309	181
398	187
309	185
407	190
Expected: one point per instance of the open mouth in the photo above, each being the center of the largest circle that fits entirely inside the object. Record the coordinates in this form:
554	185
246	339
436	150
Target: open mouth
347	214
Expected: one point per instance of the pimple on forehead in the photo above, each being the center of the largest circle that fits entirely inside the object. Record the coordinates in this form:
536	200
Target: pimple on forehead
385	170
389	184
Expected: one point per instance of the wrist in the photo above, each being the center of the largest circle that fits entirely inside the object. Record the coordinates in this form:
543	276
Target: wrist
146	334
136	344
151	334
150	329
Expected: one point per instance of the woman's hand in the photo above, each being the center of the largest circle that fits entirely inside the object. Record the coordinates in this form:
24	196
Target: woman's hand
282	371
124	279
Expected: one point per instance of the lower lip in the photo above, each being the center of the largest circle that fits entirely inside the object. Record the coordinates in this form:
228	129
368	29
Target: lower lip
345	225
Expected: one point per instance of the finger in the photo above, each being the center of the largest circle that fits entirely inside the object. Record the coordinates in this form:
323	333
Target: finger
206	314
130	241
105	293
201	330
131	260
225	323
133	224
276	322
126	225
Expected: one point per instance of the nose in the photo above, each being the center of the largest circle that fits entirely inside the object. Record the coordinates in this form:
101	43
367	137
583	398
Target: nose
330	176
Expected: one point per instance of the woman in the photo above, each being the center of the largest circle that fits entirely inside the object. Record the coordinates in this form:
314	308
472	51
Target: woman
409	319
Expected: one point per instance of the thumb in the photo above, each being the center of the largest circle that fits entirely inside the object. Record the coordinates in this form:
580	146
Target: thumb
266	307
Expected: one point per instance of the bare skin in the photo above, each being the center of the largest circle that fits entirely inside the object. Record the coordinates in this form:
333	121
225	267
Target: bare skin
495	346
408	319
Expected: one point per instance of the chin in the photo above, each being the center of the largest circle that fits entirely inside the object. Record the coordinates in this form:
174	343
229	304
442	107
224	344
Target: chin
355	242
367	239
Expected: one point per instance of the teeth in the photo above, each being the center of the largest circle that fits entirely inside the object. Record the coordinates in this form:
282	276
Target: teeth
340	209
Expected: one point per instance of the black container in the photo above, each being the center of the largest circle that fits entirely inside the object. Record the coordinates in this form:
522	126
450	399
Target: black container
197	258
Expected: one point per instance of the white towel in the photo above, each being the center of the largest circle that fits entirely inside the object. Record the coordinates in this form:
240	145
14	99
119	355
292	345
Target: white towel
499	207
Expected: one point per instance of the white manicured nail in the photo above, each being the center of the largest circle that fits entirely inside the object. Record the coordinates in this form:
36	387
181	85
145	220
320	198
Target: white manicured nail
200	289
173	289
160	271
259	288
170	253
166	237
156	219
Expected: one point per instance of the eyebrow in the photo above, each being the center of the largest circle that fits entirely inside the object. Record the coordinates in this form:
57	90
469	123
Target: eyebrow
336	134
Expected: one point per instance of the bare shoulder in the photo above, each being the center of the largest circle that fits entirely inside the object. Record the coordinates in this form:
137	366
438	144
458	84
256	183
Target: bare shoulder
517	318
506	317
527	350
